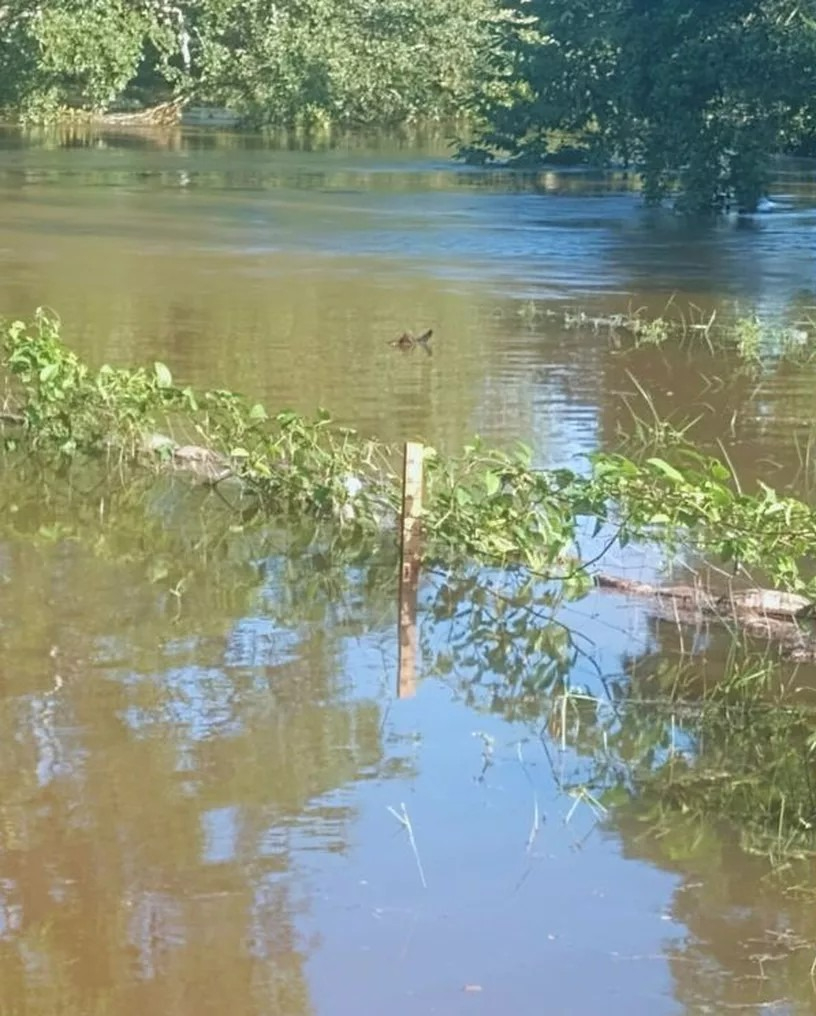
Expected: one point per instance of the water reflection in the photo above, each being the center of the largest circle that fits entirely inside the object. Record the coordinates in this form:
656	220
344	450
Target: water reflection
211	779
197	775
161	772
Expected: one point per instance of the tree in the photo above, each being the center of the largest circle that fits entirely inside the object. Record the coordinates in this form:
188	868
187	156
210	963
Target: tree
351	61
696	91
79	53
281	62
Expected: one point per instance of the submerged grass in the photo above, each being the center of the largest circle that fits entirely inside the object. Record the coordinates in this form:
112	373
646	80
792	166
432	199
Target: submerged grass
741	755
743	760
753	341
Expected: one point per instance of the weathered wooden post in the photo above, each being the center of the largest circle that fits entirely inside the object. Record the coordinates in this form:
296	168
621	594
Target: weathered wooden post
410	545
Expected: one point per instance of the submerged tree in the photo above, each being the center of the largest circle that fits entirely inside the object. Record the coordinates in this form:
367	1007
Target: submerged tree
698	92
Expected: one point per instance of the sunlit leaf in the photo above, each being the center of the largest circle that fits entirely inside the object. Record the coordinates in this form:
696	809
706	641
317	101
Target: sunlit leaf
666	469
164	379
492	483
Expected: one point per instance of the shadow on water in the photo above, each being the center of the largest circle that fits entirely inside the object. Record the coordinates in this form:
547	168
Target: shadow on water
200	742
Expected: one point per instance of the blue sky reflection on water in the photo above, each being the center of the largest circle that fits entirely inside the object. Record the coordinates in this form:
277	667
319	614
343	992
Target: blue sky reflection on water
495	914
504	908
500	912
521	239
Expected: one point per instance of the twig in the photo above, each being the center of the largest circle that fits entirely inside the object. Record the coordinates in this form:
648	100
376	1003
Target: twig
536	824
405	822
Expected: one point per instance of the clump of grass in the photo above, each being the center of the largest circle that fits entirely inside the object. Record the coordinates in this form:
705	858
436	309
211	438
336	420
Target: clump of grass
646	332
753	341
747	334
655	433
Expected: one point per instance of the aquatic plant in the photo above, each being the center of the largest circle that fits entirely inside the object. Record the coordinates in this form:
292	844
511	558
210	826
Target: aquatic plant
754	342
484	505
678	757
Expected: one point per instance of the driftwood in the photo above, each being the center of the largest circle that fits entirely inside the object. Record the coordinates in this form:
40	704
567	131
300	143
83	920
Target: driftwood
166	114
761	613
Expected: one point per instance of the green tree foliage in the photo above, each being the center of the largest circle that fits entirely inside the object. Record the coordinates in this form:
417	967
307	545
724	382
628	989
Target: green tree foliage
283	62
352	61
91	50
699	91
72	53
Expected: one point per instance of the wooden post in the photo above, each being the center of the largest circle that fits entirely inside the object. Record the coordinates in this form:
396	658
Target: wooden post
410	546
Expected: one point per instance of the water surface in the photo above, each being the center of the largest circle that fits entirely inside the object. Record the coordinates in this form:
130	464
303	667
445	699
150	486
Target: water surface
201	743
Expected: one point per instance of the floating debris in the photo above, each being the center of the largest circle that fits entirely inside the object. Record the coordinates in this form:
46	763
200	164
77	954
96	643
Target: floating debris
408	341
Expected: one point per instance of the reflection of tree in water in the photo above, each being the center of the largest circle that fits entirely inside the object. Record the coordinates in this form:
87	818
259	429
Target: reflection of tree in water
158	773
714	776
155	802
750	940
702	771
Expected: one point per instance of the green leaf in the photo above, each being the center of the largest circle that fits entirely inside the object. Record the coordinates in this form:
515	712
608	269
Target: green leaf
192	401
258	412
492	483
164	379
667	470
49	371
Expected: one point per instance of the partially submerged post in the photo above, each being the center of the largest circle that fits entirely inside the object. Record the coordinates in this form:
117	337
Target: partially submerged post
410	545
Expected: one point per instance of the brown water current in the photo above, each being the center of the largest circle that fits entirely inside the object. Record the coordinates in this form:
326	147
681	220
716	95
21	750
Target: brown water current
210	799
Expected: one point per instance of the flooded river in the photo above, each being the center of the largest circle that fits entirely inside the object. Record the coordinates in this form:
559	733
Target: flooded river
210	799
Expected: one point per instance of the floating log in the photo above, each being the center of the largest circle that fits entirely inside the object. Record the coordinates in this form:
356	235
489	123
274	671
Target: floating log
771	614
165	114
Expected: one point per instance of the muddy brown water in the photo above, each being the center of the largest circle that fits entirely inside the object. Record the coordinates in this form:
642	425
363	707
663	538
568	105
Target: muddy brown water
199	741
